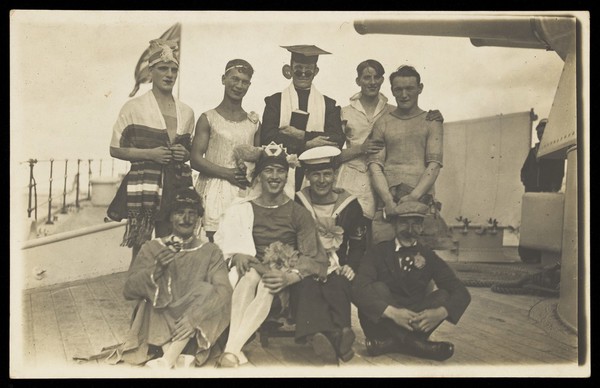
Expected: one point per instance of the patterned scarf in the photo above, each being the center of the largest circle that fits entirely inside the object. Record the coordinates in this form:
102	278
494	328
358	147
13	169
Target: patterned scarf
145	184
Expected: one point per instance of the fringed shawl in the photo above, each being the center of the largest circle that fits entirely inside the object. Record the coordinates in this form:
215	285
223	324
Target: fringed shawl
142	125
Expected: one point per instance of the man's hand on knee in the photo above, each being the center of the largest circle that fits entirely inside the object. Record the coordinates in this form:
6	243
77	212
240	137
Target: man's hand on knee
428	319
276	280
401	316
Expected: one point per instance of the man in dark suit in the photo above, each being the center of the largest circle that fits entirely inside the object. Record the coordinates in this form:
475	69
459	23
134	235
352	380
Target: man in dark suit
316	121
396	312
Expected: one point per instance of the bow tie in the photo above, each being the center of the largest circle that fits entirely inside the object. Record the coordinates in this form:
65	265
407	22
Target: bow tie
407	263
410	258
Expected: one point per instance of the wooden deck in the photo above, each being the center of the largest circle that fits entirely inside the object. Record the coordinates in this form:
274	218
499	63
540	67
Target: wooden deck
497	333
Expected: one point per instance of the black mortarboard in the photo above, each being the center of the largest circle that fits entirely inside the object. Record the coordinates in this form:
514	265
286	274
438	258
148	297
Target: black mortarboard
305	53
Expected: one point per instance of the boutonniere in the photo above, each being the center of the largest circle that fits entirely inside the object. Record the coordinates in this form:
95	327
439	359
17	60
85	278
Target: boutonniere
420	261
292	160
174	243
331	235
253	117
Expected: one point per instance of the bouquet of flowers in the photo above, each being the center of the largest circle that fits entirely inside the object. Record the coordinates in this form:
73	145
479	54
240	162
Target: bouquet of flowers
280	256
283	257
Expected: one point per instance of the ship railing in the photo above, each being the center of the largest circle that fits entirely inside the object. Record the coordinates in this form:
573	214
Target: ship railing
77	174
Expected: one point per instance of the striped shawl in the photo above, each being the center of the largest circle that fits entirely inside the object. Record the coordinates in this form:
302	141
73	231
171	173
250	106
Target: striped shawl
141	125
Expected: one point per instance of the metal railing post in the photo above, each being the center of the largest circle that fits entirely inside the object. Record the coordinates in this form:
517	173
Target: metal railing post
64	206
89	196
77	184
112	167
32	185
100	171
49	219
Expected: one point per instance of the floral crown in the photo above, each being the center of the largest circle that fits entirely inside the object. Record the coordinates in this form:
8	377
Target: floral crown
248	153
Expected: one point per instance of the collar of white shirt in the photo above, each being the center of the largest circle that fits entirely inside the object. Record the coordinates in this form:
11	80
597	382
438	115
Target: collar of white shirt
398	245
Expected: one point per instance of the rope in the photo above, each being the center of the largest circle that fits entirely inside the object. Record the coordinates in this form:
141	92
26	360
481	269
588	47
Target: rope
543	282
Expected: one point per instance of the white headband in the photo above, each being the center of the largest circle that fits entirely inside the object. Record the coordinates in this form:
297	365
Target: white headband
234	67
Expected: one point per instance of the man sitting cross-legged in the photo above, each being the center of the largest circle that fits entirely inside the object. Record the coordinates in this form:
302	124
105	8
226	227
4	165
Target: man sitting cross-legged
396	312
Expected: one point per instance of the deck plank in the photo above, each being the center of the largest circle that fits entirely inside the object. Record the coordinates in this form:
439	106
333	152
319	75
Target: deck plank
521	324
259	356
485	348
94	322
464	351
49	346
116	284
114	311
496	329
465	346
28	354
292	354
524	333
75	339
501	342
516	303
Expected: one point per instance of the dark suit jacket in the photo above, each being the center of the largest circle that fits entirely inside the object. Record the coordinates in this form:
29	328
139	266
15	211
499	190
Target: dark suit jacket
544	175
270	124
380	267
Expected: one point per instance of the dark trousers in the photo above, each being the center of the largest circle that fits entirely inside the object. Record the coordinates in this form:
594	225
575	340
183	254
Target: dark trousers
321	306
385	328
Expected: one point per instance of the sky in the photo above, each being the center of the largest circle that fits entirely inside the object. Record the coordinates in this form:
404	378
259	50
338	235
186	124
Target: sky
71	71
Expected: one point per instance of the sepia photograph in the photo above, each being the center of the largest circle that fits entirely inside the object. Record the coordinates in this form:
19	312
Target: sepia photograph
229	194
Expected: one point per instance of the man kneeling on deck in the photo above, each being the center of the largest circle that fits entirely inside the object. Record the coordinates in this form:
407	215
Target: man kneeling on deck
323	312
184	290
396	312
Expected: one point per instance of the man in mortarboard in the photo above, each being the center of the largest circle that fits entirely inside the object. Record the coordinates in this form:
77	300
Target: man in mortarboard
301	117
391	291
323	307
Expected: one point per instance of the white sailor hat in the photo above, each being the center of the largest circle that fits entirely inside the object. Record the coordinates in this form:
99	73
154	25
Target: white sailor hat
319	158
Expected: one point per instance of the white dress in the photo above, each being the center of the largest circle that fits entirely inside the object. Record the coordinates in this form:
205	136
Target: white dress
353	175
218	194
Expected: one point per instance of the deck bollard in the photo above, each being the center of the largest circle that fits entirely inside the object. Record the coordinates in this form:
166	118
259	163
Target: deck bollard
49	220
64	206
